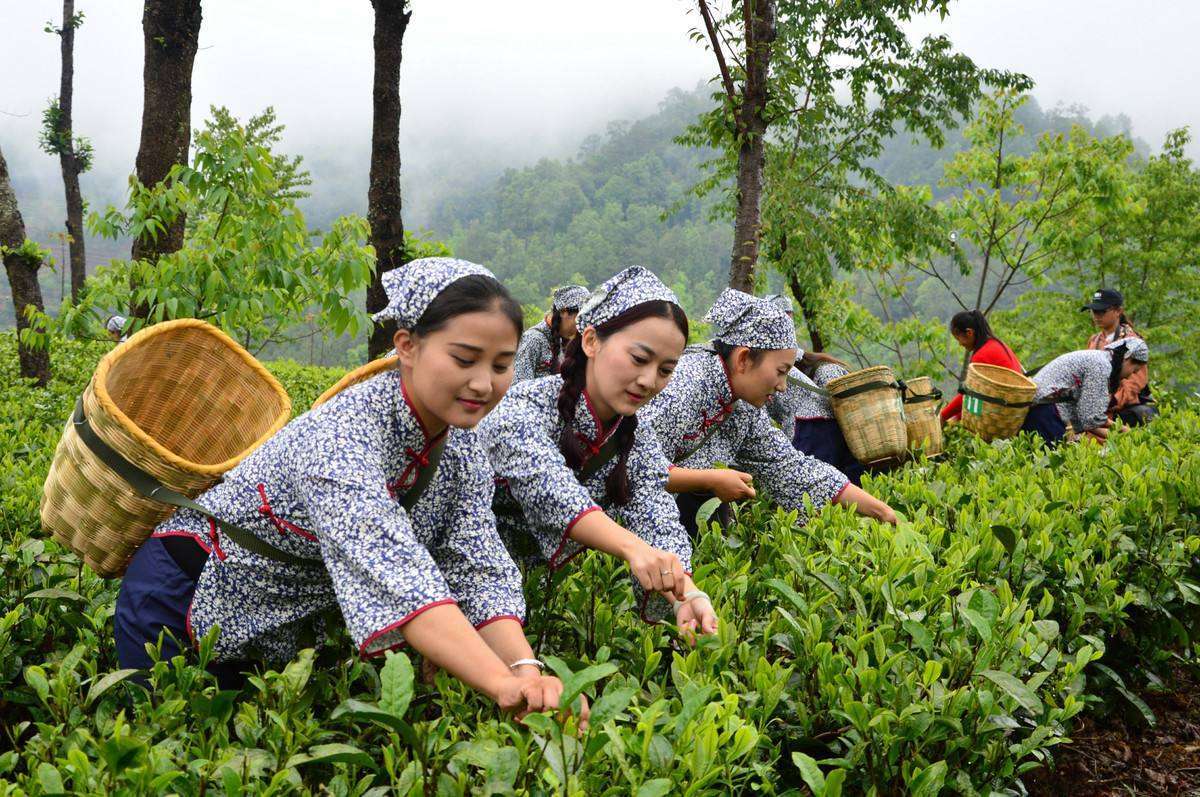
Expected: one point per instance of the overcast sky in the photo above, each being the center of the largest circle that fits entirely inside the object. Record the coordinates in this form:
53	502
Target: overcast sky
520	79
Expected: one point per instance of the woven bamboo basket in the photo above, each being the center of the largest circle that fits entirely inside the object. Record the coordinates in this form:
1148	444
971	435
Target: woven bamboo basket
871	421
360	374
181	401
924	427
991	420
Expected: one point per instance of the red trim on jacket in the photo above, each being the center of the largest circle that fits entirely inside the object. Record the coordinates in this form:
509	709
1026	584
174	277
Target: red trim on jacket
554	564
362	649
838	494
498	618
196	538
281	525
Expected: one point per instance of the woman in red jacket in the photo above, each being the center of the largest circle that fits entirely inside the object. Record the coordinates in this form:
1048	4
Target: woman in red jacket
970	328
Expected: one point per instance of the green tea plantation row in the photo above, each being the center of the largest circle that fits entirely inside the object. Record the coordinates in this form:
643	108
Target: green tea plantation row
948	655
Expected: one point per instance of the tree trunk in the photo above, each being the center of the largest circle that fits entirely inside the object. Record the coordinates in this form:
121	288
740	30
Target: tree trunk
66	156
752	126
22	278
383	194
810	315
171	33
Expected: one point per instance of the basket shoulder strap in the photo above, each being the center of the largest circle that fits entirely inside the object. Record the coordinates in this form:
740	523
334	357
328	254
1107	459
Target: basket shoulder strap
152	488
917	398
598	461
966	391
820	391
425	476
868	387
699	444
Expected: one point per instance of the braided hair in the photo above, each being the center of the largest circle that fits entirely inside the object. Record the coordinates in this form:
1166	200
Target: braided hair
556	338
574	376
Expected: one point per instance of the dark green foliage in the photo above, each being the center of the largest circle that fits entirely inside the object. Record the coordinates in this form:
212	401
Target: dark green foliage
947	655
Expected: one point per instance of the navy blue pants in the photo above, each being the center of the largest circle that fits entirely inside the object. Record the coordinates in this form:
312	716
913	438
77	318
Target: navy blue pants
155	596
1043	419
822	438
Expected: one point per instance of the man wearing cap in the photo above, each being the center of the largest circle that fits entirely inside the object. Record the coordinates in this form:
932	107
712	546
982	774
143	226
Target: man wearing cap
1131	399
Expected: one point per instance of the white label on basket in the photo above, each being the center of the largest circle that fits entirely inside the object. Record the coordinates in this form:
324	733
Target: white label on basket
973	405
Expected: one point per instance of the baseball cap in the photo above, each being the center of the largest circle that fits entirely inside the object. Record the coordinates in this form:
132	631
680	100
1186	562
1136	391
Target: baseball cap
1104	299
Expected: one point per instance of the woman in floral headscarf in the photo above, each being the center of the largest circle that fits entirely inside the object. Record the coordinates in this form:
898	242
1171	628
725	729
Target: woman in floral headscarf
712	412
540	352
576	470
323	518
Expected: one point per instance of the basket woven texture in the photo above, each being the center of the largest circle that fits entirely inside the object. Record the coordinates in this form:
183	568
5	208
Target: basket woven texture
181	401
995	421
359	374
921	420
873	421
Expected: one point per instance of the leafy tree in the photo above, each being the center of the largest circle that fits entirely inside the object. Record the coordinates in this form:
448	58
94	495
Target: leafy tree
249	263
1148	247
827	83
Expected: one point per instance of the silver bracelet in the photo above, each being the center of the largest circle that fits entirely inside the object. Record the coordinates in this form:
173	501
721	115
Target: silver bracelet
690	596
534	662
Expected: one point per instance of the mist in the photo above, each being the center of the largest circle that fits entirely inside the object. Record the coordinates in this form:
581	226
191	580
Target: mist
487	86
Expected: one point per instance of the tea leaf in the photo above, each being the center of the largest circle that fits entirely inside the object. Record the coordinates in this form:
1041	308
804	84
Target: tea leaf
1016	689
396	684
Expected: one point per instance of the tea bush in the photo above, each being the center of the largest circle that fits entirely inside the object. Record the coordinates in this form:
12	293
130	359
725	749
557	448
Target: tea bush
947	655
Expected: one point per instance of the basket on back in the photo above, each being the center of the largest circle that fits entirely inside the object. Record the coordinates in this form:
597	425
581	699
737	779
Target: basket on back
921	420
181	402
995	401
869	410
359	374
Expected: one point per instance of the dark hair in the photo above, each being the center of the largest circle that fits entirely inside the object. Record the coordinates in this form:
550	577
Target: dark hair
556	338
976	322
574	376
472	294
1114	376
726	350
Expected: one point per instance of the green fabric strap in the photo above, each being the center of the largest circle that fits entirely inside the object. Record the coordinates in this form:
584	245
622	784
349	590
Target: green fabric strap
155	490
600	459
923	397
425	476
820	391
869	386
712	430
966	391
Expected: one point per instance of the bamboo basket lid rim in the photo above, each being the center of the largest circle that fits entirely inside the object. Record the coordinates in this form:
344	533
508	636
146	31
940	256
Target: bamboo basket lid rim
1003	377
142	338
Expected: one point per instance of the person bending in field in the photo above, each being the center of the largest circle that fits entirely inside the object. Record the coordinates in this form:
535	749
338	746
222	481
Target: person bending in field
804	411
1131	400
971	331
540	352
324	500
1075	388
712	412
576	468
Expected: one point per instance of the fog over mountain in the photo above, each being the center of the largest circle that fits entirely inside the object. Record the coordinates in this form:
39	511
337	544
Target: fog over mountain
487	86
